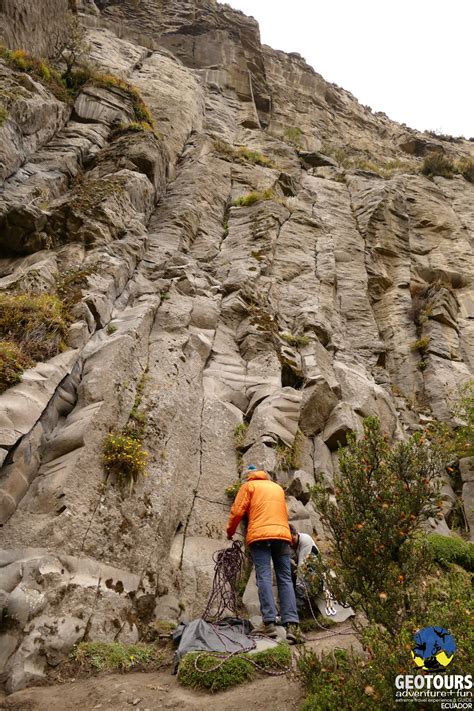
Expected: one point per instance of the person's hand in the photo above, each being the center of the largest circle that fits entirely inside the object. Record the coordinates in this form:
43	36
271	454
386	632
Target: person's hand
229	538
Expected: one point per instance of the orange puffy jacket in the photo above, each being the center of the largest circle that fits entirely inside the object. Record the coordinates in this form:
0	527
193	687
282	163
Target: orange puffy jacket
264	503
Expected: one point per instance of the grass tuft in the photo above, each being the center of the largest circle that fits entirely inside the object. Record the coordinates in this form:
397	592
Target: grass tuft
38	324
235	670
294	340
13	362
451	549
438	164
104	656
253	197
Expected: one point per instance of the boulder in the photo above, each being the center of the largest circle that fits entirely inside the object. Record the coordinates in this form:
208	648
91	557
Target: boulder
317	404
341	421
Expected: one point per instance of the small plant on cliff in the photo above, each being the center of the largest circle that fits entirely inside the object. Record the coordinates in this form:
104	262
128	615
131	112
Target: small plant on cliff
465	166
240	432
294	135
232	490
38	324
252	198
289	457
438	164
294	340
12	364
69	45
3	115
383	495
39	69
242	154
421	345
125	457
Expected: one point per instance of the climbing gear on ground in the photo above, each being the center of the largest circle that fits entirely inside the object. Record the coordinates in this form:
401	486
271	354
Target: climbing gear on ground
329	600
227	570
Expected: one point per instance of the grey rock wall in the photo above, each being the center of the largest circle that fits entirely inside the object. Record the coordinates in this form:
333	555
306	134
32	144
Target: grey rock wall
32	25
294	314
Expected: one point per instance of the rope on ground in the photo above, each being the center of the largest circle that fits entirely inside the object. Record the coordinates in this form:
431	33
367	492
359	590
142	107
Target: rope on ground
228	565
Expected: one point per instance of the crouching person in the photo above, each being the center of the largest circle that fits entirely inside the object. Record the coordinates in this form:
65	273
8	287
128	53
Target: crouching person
305	549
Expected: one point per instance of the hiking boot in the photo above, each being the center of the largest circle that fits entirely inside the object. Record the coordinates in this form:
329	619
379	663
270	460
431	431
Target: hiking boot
266	628
294	634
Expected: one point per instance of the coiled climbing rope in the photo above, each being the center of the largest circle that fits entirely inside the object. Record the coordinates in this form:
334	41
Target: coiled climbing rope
228	566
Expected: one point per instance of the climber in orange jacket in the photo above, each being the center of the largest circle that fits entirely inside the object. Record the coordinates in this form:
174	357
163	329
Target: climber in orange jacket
269	538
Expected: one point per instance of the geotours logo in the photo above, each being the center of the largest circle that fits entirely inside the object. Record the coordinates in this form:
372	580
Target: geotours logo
433	650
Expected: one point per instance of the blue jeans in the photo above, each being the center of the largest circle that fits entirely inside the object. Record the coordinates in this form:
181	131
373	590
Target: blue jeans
263	552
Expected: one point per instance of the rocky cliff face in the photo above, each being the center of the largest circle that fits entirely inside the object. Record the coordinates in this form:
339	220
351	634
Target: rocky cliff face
33	25
286	317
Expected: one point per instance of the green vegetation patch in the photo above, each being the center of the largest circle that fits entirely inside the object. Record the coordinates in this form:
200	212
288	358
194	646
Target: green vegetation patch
451	549
368	682
104	656
253	197
240	433
234	488
141	112
294	340
294	135
88	194
38	69
124	456
242	154
290	457
3	115
13	362
213	675
38	324
438	164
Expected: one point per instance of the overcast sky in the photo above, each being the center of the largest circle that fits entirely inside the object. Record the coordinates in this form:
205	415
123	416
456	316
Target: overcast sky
412	59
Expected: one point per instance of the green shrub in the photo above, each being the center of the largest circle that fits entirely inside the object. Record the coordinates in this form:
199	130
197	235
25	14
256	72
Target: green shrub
69	286
252	198
235	670
12	364
124	456
240	432
294	340
140	110
3	115
421	345
367	683
37	324
451	549
438	164
232	490
22	61
294	135
242	154
383	494
115	656
290	457
133	127
458	442
465	166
